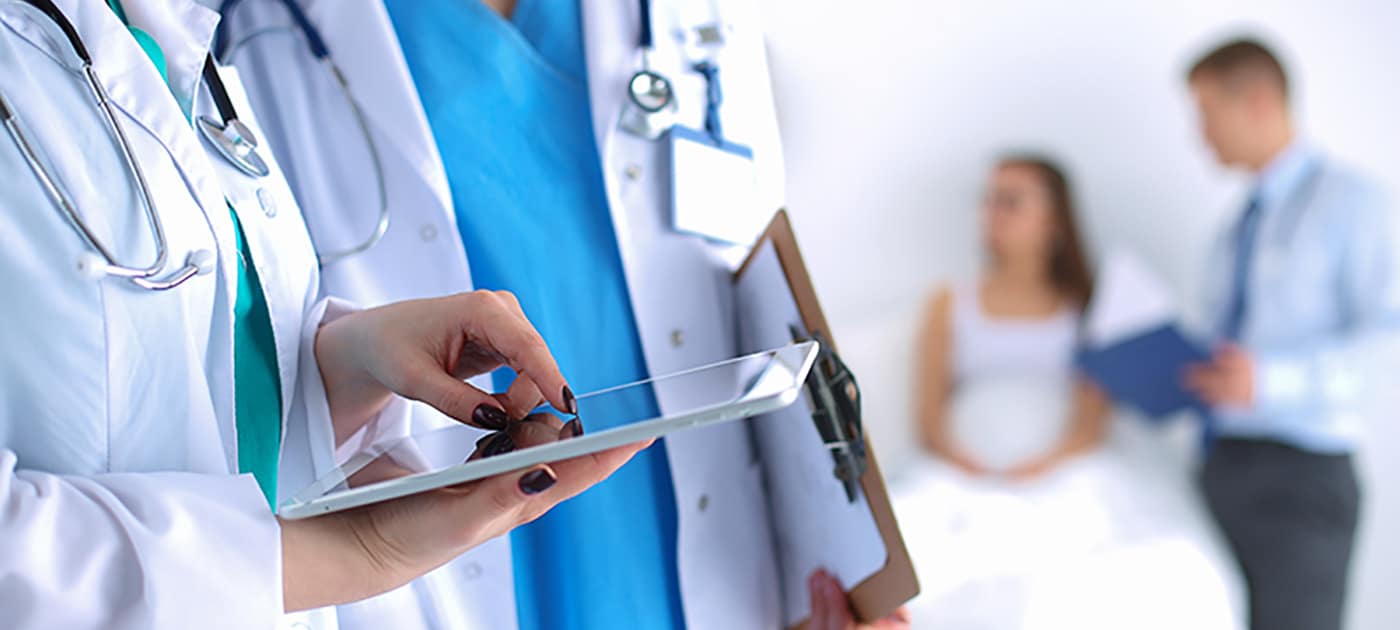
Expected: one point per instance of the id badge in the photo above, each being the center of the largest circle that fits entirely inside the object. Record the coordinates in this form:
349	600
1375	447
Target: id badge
714	188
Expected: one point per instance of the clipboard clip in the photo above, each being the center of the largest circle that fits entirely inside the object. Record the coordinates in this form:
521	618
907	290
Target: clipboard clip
836	411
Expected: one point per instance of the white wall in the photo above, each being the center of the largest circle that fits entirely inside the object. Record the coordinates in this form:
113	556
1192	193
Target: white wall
891	111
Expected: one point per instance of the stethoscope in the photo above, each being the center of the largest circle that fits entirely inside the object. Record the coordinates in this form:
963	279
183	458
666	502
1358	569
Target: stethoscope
230	137
649	92
317	45
652	96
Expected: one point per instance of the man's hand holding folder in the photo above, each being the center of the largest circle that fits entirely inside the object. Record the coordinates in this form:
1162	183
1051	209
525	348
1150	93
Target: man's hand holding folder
1226	381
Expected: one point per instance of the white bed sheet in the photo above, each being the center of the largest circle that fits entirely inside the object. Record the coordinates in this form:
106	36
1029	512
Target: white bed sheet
1114	540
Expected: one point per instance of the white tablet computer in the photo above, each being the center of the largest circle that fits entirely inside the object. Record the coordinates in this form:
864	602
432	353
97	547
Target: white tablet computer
730	390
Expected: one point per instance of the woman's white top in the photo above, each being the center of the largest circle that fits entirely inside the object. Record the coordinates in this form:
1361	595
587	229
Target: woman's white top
1013	379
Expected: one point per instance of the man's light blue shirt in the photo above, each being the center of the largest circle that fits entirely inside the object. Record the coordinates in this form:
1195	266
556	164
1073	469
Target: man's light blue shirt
1323	295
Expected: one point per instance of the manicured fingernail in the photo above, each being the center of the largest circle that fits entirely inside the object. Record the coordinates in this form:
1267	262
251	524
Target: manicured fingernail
537	481
569	401
489	417
571	429
499	446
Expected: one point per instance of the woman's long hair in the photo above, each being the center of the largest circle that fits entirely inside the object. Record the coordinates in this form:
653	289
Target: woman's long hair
1069	268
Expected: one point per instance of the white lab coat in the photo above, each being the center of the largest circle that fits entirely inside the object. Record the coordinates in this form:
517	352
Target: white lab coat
682	290
680	286
313	132
120	506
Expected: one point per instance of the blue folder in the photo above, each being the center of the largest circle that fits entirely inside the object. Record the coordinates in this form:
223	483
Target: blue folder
1146	371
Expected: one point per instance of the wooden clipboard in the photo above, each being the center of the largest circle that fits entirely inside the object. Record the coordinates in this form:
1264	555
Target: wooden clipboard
895	583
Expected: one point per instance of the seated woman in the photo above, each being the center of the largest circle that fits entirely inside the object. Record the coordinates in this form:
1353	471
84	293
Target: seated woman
1015	328
1028	516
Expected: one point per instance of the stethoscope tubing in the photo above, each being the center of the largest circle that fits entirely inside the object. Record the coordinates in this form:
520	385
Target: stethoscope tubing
226	49
381	226
142	276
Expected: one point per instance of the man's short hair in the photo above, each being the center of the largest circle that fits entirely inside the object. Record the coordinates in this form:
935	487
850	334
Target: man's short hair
1242	61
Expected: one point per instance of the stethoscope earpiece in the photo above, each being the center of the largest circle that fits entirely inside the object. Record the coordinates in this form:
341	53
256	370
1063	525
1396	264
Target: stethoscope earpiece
200	262
92	266
203	262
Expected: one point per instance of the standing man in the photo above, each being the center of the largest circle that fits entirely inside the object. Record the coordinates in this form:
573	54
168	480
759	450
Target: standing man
1304	301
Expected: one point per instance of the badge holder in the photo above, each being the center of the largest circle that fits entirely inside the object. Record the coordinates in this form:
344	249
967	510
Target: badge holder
714	182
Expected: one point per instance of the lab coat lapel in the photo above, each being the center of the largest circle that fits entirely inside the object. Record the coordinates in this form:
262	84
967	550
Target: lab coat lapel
276	237
381	84
183	30
610	32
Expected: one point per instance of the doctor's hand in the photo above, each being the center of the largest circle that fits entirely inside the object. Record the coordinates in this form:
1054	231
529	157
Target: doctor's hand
831	610
349	556
425	349
534	430
1227	381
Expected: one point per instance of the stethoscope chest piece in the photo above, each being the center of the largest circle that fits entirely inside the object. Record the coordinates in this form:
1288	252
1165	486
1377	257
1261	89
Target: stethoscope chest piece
651	98
651	104
650	91
236	143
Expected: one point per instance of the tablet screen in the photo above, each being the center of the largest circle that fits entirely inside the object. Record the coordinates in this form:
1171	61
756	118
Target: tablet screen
730	390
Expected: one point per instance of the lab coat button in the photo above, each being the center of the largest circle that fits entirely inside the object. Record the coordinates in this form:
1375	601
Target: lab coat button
472	571
268	204
677	338
633	172
428	232
704	502
301	625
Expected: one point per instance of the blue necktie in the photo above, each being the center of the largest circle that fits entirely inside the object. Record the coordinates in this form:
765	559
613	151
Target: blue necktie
1246	234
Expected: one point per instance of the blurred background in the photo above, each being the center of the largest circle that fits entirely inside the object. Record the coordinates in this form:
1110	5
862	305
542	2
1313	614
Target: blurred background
892	112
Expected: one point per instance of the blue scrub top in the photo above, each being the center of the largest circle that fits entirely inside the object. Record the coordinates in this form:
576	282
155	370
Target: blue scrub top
508	105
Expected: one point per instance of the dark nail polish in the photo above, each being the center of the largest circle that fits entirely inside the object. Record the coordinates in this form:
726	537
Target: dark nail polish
489	417
501	445
537	481
569	401
572	428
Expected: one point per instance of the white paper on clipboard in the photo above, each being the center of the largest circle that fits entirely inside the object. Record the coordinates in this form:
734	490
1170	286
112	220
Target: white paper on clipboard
815	526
